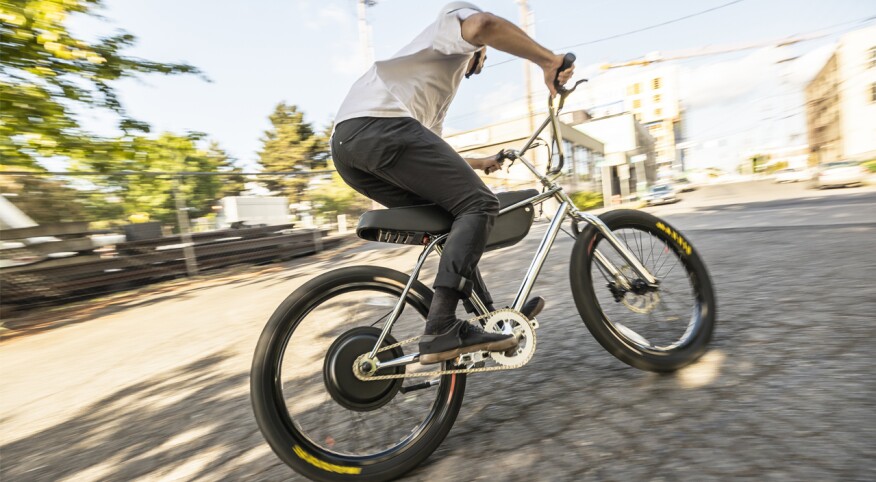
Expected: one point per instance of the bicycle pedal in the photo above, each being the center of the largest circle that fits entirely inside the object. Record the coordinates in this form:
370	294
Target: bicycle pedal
472	359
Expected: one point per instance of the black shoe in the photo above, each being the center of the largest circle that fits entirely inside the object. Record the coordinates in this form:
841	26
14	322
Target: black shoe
462	337
533	307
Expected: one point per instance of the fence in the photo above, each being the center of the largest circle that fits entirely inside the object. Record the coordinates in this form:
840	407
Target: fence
68	236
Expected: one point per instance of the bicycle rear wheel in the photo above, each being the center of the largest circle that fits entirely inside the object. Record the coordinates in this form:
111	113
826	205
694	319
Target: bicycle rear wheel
660	329
316	416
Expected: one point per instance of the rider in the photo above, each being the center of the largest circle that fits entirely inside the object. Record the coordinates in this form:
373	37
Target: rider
387	145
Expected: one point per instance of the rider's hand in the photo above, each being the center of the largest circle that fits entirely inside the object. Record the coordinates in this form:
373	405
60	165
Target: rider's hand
490	164
476	63
550	73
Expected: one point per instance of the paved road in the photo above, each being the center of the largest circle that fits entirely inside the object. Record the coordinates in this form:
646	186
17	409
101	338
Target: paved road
154	386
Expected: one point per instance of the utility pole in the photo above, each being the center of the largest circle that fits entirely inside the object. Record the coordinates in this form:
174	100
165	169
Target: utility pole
185	231
367	50
526	24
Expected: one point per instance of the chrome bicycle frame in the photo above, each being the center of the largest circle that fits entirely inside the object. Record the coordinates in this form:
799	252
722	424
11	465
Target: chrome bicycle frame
566	209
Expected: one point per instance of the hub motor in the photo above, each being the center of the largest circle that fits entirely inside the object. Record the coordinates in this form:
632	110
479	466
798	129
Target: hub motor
342	384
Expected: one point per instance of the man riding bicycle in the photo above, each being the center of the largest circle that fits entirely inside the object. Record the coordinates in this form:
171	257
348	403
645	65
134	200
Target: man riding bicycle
387	145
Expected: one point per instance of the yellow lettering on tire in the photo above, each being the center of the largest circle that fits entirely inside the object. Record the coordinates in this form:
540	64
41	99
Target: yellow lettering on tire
320	464
679	239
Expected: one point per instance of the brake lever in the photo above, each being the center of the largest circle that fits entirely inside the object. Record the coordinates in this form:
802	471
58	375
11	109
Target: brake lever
506	154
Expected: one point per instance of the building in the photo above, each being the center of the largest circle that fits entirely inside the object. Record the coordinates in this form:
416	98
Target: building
841	101
652	97
630	162
584	155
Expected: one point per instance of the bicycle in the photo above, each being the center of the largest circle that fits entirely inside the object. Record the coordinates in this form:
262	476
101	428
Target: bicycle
345	413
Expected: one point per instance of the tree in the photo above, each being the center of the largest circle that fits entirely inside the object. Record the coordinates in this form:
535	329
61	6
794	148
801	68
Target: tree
336	196
46	73
292	145
140	176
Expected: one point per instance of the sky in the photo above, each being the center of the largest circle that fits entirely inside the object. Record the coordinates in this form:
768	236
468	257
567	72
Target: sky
306	52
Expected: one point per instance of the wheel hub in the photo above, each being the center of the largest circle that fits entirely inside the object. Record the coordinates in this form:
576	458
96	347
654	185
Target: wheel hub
342	384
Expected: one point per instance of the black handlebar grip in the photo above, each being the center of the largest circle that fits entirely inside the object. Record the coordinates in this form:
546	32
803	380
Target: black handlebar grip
568	60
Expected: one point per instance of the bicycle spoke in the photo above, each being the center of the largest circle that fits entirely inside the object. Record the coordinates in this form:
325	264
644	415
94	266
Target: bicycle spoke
658	319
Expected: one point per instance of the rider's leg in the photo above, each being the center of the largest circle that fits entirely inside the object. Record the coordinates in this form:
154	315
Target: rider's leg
383	157
479	288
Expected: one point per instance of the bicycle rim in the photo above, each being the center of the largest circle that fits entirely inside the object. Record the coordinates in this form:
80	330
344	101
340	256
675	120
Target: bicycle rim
311	411
659	321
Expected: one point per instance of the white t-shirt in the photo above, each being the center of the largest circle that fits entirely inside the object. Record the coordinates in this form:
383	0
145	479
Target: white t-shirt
421	79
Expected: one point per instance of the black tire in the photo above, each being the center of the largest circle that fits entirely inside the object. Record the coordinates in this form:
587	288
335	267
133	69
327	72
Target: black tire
274	416
594	298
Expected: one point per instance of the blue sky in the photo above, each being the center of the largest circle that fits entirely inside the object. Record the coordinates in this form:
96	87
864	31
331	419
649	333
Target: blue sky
305	52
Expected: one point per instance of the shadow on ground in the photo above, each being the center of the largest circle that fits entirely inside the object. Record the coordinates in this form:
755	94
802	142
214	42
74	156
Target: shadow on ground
190	422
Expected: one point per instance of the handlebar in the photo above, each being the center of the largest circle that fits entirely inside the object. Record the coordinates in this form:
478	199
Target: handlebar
568	60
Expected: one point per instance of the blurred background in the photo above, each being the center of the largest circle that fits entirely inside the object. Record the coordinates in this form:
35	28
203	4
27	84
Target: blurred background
165	181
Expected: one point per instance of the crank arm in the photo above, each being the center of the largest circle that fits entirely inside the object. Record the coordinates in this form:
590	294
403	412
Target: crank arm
397	362
419	386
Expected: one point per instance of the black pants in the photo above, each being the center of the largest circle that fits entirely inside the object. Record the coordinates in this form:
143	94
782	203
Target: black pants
397	162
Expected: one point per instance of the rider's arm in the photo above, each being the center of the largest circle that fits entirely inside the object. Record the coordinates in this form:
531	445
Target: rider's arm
489	164
487	29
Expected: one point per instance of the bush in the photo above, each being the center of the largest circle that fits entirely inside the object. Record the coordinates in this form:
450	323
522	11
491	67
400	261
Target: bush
870	165
585	200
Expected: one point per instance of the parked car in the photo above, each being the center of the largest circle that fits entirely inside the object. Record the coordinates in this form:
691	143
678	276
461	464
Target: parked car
683	184
840	173
660	194
792	175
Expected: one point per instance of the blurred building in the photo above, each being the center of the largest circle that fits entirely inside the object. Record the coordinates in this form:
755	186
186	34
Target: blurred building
841	101
630	161
653	98
584	155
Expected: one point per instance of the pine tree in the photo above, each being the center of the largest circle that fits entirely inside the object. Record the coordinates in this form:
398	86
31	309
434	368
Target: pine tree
292	145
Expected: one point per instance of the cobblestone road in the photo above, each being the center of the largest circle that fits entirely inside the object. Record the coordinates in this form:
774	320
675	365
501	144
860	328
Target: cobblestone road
155	386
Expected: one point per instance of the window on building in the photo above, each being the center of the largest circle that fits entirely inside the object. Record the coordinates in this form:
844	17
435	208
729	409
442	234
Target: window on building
636	89
582	160
637	104
872	55
656	98
655	83
873	92
568	152
658	112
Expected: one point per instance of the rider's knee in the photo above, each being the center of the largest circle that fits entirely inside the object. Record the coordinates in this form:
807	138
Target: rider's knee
487	203
479	202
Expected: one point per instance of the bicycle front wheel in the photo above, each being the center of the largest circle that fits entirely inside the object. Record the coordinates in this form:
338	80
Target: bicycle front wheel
657	329
315	414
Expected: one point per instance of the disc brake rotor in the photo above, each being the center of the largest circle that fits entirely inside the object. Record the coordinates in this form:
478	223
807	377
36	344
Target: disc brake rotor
644	303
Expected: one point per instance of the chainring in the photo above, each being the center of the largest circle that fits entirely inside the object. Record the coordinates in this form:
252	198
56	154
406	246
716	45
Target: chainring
513	323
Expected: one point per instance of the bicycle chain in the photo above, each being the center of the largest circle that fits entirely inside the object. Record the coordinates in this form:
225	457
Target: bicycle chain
366	378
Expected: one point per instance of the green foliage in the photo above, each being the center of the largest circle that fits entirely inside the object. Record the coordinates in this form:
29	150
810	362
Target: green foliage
45	70
758	162
776	166
292	145
337	197
129	182
43	199
870	165
585	200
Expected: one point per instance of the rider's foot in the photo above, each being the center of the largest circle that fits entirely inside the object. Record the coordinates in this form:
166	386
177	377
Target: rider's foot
533	307
463	337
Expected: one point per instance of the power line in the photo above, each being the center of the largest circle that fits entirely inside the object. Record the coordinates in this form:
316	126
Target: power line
857	22
643	29
632	32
